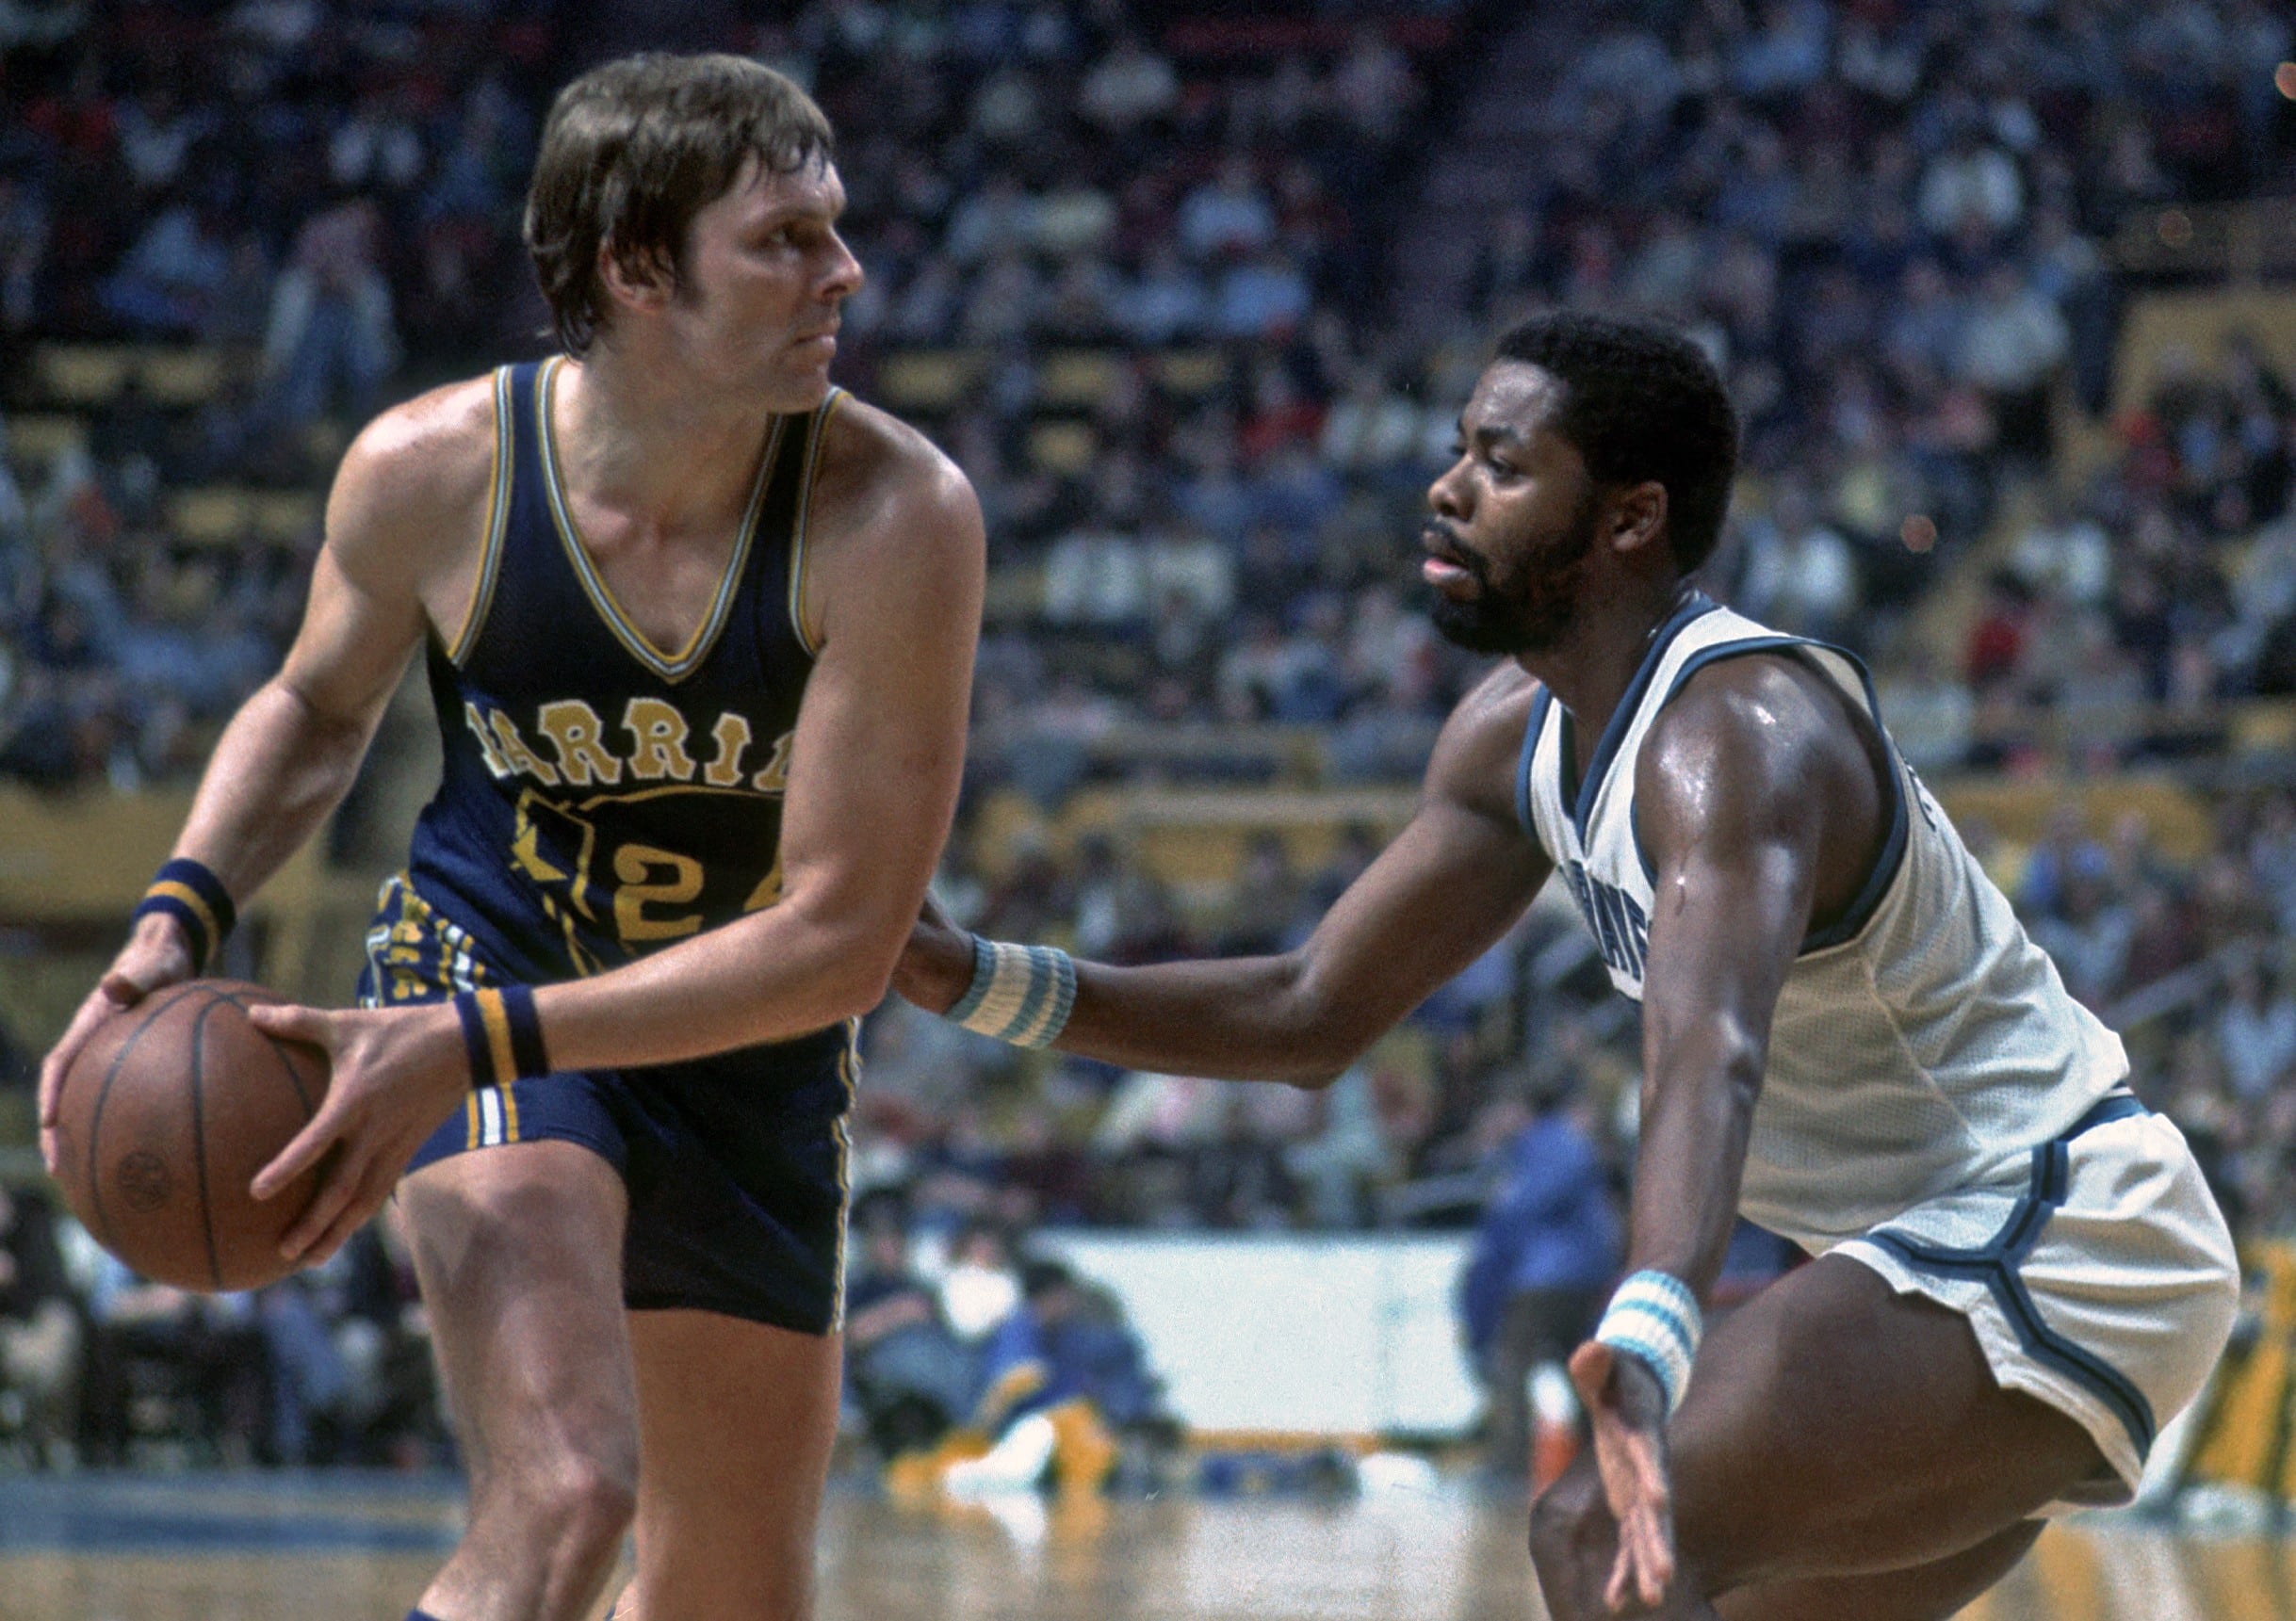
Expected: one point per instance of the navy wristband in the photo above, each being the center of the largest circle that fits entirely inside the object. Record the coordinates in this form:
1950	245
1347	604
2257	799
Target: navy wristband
187	891
501	1035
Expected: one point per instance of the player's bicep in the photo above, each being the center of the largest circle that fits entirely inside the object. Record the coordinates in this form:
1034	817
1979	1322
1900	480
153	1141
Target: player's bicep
363	618
1733	833
353	645
880	746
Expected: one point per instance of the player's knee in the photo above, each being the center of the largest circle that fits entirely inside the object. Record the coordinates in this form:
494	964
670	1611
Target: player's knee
594	1503
1571	1529
579	1499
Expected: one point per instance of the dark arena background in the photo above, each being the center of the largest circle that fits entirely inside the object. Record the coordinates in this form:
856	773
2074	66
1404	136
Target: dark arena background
1193	292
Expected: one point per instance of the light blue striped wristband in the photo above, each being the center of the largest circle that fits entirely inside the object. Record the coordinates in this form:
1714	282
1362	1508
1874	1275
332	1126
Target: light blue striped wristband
1020	994
1655	1318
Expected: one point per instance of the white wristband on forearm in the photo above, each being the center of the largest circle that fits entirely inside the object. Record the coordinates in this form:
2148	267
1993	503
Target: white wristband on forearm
1655	1318
1020	994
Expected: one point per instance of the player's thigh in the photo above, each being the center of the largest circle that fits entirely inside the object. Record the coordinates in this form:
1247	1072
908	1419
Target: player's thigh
736	1422
1836	1428
1923	1593
518	1250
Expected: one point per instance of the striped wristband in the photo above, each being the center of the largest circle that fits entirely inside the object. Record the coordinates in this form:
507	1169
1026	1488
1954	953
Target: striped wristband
1655	1318
187	891
1020	994
502	1035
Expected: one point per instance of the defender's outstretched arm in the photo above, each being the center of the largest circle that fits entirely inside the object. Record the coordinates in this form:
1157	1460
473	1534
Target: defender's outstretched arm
1453	882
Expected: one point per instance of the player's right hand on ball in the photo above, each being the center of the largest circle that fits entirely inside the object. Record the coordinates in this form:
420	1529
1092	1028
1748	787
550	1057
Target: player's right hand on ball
937	964
156	954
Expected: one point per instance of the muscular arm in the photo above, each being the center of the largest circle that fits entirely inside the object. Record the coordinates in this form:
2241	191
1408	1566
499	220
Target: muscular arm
1452	883
873	776
1760	808
401	529
291	752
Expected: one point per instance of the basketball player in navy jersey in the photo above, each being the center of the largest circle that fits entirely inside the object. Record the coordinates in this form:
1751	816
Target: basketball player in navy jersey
699	631
2020	1274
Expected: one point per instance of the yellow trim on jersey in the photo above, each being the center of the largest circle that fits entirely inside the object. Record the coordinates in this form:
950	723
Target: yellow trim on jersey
805	639
497	516
849	1076
189	897
471	1137
510	1111
669	666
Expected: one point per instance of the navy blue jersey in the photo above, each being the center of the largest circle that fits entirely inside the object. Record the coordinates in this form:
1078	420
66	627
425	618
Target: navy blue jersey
603	796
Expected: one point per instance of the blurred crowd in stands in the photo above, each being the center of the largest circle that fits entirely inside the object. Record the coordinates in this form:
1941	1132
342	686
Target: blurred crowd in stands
1149	272
99	1367
1151	259
973	1363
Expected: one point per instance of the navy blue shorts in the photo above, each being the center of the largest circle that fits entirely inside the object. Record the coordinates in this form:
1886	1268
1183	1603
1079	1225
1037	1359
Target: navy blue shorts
735	1164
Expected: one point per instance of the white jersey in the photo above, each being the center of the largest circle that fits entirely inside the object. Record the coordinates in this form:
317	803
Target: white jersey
1920	1045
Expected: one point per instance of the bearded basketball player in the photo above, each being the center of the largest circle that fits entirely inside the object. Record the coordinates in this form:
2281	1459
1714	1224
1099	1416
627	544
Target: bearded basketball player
2020	1274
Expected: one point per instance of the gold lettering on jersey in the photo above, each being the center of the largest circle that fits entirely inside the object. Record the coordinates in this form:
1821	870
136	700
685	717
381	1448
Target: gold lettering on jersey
513	747
574	730
732	737
495	764
659	731
774	779
660	736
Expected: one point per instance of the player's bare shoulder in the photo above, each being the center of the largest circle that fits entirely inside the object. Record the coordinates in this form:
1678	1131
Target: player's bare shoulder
1763	750
1481	742
1766	724
886	498
410	501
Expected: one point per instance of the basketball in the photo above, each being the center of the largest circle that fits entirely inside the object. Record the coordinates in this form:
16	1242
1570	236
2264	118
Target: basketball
165	1118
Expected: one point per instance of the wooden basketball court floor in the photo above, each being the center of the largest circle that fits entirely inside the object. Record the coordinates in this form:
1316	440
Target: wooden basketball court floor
234	1547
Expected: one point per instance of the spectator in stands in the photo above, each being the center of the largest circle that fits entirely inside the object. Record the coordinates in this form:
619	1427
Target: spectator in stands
2089	936
16	1065
1799	574
1062	1378
310	1383
2257	1033
1545	1252
201	1358
911	1377
332	341
172	281
2012	339
41	1331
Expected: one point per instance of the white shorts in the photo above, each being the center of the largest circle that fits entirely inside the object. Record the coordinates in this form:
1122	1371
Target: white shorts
2102	1281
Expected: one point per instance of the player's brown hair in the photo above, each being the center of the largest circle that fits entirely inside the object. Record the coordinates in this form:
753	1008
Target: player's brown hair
632	151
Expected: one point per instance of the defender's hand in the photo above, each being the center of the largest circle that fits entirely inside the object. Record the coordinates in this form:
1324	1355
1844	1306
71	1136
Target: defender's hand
1628	1411
157	955
395	1074
936	966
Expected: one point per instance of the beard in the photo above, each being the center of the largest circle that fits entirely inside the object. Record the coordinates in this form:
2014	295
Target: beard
1532	610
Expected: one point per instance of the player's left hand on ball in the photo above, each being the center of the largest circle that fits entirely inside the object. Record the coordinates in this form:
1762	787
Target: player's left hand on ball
395	1075
1628	1412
